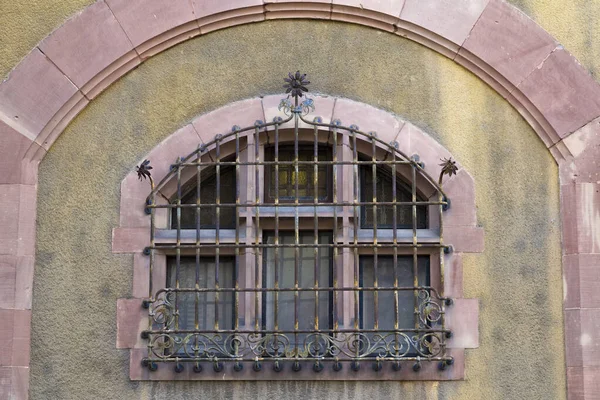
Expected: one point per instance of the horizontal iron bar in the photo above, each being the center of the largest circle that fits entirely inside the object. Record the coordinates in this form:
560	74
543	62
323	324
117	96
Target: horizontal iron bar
424	331
306	246
177	358
292	163
302	204
300	289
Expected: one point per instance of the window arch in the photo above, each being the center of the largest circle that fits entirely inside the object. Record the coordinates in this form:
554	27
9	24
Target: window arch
247	273
272	288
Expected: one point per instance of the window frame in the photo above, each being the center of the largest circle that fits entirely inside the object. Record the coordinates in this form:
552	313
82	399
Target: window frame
469	231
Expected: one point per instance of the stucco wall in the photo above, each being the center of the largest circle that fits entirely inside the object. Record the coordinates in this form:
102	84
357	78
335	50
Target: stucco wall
518	278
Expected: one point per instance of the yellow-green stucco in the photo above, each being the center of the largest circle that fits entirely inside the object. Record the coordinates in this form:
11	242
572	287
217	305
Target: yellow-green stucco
518	278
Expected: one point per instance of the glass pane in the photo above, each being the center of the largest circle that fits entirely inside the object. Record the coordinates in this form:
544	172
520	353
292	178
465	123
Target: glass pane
385	214
305	176
208	195
306	274
385	277
205	301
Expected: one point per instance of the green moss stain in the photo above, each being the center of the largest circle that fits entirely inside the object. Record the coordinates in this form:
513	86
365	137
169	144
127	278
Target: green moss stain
517	278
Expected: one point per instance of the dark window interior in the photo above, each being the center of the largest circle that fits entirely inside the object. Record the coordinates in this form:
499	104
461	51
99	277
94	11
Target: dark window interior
385	278
208	195
305	178
385	214
306	276
186	302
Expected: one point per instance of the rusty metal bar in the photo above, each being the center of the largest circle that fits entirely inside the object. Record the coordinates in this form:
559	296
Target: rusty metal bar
265	340
217	228
257	282
309	289
296	234
276	295
335	231
178	247
290	205
317	268
395	261
415	242
375	259
236	309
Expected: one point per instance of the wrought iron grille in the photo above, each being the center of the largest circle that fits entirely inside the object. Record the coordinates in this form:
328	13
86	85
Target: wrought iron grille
293	275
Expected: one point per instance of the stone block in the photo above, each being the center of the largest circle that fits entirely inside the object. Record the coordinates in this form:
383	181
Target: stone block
465	239
132	319
242	113
564	92
13	146
145	20
33	94
21	338
130	240
462	318
584	146
89	47
450	19
524	44
368	119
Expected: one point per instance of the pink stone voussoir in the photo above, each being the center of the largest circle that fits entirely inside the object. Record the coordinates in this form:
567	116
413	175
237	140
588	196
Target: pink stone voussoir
524	43
564	92
242	113
33	93
87	44
143	20
450	19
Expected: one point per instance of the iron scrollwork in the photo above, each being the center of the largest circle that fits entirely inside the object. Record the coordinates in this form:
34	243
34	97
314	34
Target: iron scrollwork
425	341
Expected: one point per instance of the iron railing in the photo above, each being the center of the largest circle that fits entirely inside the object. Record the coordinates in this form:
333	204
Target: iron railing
343	338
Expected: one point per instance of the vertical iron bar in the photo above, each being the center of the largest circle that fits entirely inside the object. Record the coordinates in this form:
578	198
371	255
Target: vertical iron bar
197	269
296	233
151	268
217	229
442	290
375	260
317	266
395	243
178	246
257	282
335	231
236	312
355	222
414	247
276	285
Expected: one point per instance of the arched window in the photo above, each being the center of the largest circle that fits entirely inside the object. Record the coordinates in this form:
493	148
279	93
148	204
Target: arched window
311	245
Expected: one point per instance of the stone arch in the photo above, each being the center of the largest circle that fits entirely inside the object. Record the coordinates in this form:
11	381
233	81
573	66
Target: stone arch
491	38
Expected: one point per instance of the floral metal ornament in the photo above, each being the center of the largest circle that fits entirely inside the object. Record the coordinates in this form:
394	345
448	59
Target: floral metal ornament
143	170
176	338
448	168
296	84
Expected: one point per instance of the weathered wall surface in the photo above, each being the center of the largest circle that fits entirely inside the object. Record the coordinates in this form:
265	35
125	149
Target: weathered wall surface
518	278
23	23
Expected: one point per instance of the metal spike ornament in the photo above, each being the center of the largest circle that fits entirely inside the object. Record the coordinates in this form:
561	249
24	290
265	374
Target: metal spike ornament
296	84
143	170
448	168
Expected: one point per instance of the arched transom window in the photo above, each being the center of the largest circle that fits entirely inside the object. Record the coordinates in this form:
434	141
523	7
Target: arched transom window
296	245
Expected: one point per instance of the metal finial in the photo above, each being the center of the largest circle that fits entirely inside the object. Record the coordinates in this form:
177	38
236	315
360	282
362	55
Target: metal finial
143	170
448	168
296	84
